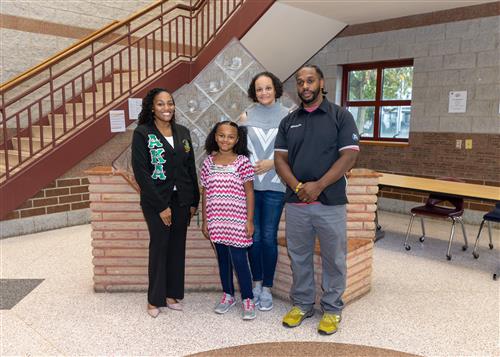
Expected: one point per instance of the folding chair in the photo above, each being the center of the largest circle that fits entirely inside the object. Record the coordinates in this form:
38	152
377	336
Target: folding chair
433	209
492	216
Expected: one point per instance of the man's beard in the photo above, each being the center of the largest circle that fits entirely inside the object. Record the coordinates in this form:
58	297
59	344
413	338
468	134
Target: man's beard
313	98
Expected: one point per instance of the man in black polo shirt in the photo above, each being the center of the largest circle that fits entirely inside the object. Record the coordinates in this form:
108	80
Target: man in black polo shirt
315	146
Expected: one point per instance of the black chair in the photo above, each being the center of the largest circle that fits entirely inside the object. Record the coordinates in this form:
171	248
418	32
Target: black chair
433	208
492	216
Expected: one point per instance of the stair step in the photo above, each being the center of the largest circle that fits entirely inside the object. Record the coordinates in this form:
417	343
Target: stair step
36	131
58	120
24	144
13	157
99	97
126	77
78	108
107	87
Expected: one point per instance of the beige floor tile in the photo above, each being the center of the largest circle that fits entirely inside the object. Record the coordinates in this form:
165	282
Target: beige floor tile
420	303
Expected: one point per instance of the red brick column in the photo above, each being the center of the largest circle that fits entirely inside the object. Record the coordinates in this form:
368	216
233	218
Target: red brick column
120	239
362	192
362	195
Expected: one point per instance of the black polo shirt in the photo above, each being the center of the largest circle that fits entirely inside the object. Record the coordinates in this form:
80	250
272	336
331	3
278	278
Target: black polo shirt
313	142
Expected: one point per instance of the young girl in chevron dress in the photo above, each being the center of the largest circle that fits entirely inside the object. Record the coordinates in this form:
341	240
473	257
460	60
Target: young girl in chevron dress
228	205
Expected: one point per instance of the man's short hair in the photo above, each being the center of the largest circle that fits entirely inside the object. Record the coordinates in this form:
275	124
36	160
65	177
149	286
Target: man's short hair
318	71
316	68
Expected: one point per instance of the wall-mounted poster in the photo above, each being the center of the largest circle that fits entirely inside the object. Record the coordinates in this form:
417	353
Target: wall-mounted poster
134	108
457	102
117	121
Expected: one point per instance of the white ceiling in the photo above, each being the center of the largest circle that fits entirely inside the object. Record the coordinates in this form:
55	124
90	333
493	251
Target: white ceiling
363	11
283	39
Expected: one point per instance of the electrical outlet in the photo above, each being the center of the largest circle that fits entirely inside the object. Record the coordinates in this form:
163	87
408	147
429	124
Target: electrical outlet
468	144
458	144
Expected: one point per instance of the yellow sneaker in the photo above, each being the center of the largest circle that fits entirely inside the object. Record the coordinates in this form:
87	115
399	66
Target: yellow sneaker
295	316
329	323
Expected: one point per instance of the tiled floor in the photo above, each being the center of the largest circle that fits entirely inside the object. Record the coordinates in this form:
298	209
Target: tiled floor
420	303
14	290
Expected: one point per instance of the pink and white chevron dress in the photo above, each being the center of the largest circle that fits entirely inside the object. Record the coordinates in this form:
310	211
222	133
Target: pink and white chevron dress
226	203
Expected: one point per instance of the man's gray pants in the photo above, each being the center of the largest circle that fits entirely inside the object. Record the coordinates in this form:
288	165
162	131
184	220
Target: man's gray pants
303	224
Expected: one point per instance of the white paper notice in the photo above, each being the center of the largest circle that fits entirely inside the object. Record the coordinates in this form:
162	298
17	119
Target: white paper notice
134	108
457	102
117	121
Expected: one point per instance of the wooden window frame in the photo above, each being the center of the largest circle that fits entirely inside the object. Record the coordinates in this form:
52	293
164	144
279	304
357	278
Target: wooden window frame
378	102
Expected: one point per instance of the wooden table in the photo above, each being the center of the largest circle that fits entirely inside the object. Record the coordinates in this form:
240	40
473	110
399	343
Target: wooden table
441	186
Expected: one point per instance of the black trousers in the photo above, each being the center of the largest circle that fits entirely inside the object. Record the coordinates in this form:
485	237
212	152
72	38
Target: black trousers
167	253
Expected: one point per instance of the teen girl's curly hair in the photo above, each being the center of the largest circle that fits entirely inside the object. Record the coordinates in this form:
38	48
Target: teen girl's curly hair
241	146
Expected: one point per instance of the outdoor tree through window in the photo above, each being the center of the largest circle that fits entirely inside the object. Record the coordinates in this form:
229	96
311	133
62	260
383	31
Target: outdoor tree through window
378	95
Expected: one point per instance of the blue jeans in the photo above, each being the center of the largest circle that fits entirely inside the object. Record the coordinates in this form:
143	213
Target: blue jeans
263	253
229	257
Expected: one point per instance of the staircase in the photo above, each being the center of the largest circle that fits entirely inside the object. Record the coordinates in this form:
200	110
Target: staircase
56	114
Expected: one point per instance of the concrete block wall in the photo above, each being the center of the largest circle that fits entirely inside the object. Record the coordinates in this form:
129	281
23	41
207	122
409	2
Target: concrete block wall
461	54
34	30
120	239
45	28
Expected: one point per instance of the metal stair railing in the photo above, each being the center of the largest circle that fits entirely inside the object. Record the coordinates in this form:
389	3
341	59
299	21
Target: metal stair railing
46	106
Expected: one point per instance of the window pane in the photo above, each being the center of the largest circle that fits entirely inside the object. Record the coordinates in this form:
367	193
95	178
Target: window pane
362	84
364	120
395	122
397	83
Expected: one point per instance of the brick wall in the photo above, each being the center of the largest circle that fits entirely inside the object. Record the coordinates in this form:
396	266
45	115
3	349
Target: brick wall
434	155
120	238
67	194
359	270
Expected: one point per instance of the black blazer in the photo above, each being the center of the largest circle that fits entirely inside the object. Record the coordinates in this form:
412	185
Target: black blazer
158	167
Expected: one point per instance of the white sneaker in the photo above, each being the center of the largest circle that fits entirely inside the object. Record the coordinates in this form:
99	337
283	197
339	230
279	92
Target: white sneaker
248	310
226	302
266	299
256	293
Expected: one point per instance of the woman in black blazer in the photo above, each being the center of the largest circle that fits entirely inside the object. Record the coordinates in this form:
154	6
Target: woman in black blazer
164	167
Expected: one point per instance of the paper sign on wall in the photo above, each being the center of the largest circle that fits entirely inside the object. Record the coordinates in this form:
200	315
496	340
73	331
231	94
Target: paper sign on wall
117	121
134	108
457	102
